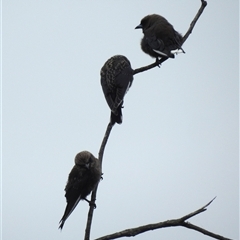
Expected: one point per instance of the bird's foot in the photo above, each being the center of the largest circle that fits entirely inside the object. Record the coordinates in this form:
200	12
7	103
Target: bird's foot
160	61
91	203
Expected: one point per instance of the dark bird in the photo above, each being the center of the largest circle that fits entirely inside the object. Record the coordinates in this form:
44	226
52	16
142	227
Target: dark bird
116	79
81	181
160	39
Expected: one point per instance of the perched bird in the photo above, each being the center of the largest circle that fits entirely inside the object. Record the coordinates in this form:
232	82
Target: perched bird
81	181
160	39
116	79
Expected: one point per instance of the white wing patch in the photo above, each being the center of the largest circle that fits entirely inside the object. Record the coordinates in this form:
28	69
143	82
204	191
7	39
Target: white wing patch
177	51
161	53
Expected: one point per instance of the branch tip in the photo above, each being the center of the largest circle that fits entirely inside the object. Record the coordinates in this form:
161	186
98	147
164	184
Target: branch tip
209	202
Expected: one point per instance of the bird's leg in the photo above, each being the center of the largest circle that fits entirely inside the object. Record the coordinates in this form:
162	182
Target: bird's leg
161	60
91	203
157	62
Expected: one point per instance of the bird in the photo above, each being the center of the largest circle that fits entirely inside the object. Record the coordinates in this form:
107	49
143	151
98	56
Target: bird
116	78
82	179
160	39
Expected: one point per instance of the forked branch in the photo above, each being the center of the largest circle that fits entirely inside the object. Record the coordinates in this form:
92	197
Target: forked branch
169	223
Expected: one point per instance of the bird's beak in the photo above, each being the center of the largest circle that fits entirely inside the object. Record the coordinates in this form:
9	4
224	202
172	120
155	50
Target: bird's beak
87	165
139	26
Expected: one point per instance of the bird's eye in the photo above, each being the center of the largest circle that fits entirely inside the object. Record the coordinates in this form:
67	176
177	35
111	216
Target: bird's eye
143	22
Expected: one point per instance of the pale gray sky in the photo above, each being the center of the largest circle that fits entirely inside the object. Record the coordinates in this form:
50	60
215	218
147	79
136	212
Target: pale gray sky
177	147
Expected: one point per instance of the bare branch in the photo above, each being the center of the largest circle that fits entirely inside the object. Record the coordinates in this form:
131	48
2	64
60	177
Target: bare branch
202	209
185	37
90	215
94	193
169	223
203	231
104	142
142	69
194	21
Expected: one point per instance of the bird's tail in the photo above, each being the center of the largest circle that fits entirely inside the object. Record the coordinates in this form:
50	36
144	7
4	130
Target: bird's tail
68	210
117	118
62	221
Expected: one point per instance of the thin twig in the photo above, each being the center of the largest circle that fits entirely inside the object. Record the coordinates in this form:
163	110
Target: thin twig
194	21
184	218
185	37
203	231
94	193
142	69
169	223
104	142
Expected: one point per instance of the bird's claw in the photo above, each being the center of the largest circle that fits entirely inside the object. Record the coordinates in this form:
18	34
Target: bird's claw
158	62
91	203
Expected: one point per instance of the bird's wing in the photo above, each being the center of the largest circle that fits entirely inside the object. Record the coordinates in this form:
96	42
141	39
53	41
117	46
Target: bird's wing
76	181
123	82
107	93
157	45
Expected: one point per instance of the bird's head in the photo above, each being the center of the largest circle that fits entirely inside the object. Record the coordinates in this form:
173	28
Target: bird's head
148	21
85	159
144	23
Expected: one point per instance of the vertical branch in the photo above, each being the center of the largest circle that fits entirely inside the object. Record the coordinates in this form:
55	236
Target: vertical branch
104	142
94	193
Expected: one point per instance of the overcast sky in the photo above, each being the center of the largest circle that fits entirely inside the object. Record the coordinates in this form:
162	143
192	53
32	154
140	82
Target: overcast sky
177	147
